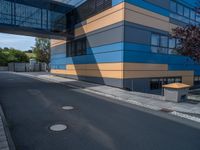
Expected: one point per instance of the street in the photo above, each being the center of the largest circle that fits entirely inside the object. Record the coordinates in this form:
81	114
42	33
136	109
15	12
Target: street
96	123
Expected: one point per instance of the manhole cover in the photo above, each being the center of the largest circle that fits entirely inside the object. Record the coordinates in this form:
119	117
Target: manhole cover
58	127
67	107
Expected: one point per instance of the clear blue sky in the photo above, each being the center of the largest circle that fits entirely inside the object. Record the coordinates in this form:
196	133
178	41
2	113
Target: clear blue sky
15	41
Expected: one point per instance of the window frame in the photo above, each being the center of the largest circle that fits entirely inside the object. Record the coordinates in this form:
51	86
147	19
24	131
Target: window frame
183	12
160	49
162	81
73	49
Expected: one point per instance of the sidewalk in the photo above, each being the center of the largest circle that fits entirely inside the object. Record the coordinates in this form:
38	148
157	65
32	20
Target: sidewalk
6	142
150	101
3	139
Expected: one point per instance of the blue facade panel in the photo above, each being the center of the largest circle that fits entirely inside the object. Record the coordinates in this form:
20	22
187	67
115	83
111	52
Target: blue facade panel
144	4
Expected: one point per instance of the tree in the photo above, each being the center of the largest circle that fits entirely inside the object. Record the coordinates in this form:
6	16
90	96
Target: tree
189	39
8	55
3	58
42	50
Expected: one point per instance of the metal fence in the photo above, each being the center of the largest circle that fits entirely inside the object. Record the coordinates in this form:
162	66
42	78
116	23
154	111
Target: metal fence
26	67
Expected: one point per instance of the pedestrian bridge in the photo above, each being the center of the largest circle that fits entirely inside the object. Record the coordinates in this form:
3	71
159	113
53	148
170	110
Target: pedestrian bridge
39	18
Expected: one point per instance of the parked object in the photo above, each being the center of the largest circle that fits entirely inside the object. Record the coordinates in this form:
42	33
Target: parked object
176	92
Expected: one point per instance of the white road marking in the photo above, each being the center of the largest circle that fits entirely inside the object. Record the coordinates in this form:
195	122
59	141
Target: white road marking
186	116
68	107
58	127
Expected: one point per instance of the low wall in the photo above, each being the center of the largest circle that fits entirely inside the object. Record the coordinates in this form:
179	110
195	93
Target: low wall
3	68
26	67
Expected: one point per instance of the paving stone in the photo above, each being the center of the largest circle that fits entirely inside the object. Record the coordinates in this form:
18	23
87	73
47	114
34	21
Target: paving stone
3	138
3	144
5	148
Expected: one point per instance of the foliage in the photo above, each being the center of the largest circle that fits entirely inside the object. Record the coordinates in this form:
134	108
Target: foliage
31	55
12	55
189	38
42	50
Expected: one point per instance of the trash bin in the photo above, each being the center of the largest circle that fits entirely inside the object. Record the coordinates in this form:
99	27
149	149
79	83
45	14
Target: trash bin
176	92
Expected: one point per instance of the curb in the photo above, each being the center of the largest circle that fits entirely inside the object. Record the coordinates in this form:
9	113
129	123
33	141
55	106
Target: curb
11	144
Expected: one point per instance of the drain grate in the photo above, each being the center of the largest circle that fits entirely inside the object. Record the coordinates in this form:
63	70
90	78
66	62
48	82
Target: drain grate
68	107
58	127
166	110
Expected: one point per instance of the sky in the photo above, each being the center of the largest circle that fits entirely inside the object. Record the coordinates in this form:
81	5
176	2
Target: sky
15	41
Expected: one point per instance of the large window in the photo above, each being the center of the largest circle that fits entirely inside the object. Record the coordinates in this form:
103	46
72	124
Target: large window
186	12
183	13
76	47
156	83
163	44
86	10
180	9
159	43
6	12
173	6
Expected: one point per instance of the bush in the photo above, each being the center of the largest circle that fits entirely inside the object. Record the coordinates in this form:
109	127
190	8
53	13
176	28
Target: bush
12	55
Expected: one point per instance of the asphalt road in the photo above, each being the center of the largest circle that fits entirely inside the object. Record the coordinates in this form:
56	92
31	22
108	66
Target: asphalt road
97	123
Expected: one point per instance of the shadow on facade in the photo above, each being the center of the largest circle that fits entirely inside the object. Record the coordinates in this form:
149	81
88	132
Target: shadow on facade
84	64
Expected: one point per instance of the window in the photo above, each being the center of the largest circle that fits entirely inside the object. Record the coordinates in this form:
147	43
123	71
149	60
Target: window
99	4
163	41
155	39
172	45
178	43
86	10
186	12
164	44
183	13
159	43
196	79
192	15
198	18
73	49
156	83
80	46
173	6
76	47
180	9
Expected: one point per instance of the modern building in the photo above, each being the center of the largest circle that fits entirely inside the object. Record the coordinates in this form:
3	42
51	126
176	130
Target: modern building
126	44
121	43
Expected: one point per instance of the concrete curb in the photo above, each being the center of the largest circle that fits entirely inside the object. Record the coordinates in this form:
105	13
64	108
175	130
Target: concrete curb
11	144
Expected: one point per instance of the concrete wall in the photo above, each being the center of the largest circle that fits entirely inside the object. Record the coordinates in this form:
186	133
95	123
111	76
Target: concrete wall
3	68
20	67
26	67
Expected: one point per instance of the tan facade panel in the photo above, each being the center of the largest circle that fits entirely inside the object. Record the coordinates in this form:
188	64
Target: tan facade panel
125	71
146	12
105	21
100	66
146	20
188	80
57	42
145	66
